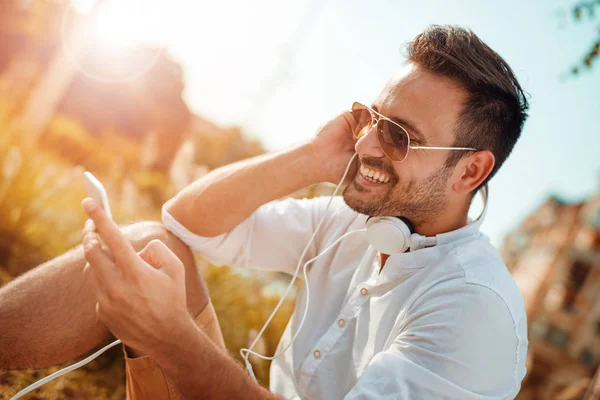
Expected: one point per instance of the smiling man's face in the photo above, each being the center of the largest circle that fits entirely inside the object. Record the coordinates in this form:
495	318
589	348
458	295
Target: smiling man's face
427	106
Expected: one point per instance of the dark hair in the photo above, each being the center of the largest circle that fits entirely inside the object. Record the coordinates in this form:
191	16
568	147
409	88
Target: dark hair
495	108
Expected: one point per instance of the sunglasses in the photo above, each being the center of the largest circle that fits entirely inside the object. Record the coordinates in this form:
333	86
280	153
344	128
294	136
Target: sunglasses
394	140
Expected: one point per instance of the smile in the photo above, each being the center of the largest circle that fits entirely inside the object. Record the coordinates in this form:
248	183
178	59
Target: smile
374	176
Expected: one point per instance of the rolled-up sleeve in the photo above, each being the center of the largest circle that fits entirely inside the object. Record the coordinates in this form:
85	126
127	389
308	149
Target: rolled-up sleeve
145	378
271	239
454	346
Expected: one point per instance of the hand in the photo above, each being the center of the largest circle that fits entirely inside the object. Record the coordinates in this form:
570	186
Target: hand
333	146
141	296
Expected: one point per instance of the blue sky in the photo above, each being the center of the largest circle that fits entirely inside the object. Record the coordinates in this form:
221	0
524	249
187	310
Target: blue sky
230	52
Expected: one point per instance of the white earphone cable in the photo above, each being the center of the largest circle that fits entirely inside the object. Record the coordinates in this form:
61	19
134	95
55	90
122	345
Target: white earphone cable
63	371
245	352
307	296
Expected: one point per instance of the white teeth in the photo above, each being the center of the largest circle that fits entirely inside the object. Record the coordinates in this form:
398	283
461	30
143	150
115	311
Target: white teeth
374	176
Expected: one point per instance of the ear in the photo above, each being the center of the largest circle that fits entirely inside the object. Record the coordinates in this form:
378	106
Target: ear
473	170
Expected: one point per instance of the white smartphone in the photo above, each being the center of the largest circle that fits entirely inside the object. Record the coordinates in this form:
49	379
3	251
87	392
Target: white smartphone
97	192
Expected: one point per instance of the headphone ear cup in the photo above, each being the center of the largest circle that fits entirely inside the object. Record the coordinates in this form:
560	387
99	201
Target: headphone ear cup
388	235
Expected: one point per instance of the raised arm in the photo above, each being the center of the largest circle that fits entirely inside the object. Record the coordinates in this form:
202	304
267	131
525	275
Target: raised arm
219	201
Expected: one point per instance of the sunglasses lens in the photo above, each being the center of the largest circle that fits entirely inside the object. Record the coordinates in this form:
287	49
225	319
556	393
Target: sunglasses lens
393	140
363	118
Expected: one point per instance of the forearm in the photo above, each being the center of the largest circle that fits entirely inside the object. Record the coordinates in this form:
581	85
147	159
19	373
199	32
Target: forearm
200	369
219	201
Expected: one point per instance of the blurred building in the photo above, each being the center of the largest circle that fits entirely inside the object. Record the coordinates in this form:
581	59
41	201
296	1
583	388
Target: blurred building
554	257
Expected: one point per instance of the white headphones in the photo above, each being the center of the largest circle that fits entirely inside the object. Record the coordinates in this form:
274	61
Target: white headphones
391	235
388	235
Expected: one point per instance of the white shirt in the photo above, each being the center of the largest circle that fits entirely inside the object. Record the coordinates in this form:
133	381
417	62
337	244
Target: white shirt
444	322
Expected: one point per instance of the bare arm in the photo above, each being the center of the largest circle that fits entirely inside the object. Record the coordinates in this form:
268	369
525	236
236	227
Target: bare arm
199	369
219	201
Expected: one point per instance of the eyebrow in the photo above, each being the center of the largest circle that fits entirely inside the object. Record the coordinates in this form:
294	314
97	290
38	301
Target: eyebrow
418	136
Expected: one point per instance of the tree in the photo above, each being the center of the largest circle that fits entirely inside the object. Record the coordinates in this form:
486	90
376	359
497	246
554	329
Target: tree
587	10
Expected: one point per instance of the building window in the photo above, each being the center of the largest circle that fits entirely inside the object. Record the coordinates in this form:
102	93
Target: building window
578	274
574	282
594	216
557	336
588	358
568	305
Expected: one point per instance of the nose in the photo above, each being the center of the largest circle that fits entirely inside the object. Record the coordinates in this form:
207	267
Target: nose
368	144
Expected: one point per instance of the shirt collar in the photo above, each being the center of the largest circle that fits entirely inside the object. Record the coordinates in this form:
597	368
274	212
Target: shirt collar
471	228
401	265
398	265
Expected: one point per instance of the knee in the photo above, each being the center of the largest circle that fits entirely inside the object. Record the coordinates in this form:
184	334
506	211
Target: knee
142	233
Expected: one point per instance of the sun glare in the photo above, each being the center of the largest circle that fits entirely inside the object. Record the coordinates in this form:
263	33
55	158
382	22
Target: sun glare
83	6
121	24
103	38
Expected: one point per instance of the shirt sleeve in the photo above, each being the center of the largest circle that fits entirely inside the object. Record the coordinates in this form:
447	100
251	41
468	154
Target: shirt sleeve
271	239
463	346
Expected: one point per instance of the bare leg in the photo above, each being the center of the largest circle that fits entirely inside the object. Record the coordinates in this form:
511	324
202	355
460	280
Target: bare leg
47	315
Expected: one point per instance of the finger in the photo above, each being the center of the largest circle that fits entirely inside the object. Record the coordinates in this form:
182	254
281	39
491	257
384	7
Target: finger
103	267
91	281
162	258
105	292
90	230
118	245
350	119
88	227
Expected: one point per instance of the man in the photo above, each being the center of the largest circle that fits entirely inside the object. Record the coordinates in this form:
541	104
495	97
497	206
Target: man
443	321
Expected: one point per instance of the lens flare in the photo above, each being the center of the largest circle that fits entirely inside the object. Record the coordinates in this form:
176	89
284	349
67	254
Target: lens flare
83	6
114	41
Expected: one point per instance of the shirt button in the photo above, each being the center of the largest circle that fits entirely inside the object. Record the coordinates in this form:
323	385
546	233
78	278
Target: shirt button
317	353
364	291
341	322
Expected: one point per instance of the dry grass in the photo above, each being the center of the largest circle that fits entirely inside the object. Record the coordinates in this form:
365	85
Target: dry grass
39	204
40	218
